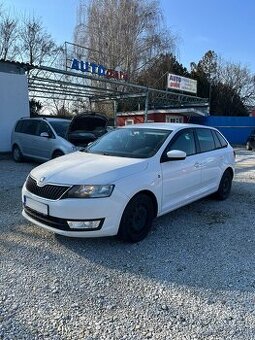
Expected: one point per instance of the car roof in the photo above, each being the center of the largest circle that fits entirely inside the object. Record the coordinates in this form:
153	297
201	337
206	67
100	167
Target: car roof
165	126
49	119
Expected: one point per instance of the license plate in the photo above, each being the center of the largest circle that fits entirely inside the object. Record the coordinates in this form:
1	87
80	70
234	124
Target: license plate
35	205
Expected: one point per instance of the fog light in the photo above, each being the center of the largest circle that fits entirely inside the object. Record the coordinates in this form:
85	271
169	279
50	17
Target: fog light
94	224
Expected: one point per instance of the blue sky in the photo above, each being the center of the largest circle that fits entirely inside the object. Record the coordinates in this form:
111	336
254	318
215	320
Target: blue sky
226	26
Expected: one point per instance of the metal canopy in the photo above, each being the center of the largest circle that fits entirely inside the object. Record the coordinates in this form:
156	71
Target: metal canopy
53	84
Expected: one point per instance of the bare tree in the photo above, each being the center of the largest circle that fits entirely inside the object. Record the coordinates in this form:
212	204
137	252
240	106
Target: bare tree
36	45
239	78
230	86
124	33
8	35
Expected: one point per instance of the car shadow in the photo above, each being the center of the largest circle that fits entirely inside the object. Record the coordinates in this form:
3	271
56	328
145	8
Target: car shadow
201	245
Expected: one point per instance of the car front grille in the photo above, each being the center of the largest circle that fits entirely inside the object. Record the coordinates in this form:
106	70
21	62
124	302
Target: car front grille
52	192
54	222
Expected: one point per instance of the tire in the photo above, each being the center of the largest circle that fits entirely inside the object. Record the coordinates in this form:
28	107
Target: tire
17	154
248	146
137	219
225	186
57	153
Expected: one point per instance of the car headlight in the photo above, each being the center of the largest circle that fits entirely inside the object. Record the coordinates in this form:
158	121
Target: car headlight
90	191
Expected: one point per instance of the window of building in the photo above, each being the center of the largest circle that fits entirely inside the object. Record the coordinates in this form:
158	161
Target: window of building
174	119
129	121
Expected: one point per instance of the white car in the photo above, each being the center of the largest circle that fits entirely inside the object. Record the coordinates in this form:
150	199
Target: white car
122	181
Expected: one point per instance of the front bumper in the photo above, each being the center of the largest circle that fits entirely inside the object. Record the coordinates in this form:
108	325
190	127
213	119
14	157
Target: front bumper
108	210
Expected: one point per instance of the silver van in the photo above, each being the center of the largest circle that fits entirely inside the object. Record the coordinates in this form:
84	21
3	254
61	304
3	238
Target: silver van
44	138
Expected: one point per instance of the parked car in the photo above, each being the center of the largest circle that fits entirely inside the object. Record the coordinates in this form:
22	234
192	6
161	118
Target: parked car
123	180
44	138
250	144
86	128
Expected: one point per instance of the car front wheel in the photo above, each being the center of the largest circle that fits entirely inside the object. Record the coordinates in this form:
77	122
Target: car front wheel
137	219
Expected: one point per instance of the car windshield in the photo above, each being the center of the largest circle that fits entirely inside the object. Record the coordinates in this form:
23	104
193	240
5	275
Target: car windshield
130	142
60	127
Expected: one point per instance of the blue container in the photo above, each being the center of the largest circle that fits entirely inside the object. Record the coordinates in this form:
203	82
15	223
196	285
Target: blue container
235	129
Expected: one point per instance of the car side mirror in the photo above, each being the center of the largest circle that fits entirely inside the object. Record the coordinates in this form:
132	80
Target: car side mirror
45	135
175	155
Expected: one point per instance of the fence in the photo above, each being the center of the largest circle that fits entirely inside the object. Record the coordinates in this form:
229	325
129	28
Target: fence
235	129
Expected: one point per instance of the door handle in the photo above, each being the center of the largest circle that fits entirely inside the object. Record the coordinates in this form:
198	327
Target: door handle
197	165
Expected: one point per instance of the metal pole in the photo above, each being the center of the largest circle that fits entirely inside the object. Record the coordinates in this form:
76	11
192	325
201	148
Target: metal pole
66	54
210	94
146	107
115	113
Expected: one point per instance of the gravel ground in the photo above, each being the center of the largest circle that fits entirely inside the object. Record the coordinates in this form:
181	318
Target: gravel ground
192	278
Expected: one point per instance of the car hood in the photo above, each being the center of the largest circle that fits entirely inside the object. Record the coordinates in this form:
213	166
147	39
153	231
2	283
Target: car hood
86	128
88	122
87	168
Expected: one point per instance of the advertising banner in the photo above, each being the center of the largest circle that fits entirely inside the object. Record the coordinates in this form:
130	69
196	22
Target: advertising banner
181	83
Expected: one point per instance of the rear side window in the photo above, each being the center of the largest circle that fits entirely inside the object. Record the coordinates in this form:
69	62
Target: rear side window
205	139
19	126
29	127
216	140
221	139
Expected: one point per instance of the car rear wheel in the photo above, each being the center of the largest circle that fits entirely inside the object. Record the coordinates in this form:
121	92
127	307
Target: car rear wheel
17	154
137	219
225	186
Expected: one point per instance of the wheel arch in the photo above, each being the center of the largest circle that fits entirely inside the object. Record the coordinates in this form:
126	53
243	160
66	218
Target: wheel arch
56	151
230	170
152	197
15	144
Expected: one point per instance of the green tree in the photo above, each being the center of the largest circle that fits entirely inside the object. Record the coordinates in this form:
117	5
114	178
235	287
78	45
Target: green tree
224	95
155	74
35	107
226	101
205	73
